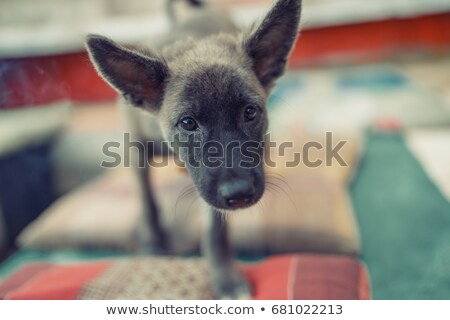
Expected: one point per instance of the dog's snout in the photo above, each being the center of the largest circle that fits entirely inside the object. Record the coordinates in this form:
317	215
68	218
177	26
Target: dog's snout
237	193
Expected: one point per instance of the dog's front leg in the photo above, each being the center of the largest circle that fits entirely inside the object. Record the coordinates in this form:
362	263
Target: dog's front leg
151	237
227	282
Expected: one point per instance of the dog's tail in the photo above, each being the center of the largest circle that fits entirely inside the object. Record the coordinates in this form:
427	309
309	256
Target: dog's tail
170	7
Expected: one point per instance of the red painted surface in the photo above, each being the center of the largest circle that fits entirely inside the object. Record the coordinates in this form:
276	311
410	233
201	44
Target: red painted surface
373	39
34	81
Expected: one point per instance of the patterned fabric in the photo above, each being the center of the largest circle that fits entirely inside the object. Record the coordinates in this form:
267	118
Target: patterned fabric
281	277
152	278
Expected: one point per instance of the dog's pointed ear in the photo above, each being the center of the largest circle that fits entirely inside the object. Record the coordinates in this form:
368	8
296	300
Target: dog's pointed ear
139	77
269	43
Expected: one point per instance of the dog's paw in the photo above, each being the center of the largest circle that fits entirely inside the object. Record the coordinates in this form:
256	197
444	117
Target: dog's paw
231	285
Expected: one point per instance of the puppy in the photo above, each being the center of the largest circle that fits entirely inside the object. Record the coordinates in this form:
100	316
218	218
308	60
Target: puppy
207	84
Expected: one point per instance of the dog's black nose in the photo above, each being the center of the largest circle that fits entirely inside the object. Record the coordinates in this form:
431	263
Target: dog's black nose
237	193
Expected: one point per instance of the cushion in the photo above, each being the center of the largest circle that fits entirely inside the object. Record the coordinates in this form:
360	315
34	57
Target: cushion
105	215
307	211
317	277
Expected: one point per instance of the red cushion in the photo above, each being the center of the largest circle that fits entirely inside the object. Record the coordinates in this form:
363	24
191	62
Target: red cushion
302	276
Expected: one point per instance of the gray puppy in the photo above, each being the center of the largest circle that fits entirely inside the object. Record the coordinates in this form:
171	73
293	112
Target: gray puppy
205	85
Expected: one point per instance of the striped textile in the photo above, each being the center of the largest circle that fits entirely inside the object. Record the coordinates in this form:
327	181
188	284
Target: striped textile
301	276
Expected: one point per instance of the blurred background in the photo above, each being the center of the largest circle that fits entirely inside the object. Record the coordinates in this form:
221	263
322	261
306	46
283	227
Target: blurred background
375	73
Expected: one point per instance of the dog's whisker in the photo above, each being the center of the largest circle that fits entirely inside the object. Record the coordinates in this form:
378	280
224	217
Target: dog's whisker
263	205
185	194
260	206
223	216
278	177
196	198
187	188
192	197
286	184
282	190
271	187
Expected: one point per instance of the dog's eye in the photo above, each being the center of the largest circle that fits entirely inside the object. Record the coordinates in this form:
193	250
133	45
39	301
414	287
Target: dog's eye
250	113
188	124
